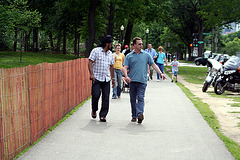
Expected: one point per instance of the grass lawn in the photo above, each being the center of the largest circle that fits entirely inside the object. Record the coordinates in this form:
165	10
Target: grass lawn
192	74
12	59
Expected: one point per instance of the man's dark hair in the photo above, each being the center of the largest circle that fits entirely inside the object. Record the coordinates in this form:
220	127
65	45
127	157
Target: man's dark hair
135	39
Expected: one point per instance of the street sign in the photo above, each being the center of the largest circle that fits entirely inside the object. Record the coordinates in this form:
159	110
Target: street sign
200	42
195	52
207	34
167	44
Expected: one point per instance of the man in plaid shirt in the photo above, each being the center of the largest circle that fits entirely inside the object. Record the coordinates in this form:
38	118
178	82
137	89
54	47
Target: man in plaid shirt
100	66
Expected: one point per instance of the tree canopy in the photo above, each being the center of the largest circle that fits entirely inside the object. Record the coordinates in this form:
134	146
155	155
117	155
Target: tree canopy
70	26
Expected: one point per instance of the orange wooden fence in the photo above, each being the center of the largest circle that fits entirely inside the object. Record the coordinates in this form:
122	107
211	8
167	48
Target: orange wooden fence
36	97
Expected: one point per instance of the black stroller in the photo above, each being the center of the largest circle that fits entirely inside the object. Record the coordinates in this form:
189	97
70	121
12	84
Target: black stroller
125	85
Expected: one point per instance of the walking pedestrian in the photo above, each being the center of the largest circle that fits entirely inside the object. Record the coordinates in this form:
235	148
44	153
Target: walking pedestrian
100	66
160	58
137	63
125	48
174	65
119	59
152	53
129	49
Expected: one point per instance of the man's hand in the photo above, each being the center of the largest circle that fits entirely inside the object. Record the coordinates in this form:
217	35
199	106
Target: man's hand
92	77
113	83
127	79
163	76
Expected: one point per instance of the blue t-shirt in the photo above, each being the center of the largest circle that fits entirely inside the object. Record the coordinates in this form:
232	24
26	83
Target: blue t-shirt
138	66
152	52
160	57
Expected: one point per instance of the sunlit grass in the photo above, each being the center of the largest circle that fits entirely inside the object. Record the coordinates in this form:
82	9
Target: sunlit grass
234	104
12	59
194	75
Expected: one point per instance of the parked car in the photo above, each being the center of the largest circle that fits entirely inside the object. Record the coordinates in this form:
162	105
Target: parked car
203	60
222	58
216	56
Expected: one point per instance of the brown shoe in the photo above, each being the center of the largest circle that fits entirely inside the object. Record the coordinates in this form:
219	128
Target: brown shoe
140	118
94	115
134	119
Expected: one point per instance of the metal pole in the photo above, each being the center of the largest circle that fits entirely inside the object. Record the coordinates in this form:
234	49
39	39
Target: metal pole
216	39
212	41
146	41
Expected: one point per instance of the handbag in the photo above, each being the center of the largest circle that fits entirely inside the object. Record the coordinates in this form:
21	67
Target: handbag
155	60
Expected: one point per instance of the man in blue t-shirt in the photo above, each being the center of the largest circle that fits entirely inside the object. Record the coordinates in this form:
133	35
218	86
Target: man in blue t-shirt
137	63
152	53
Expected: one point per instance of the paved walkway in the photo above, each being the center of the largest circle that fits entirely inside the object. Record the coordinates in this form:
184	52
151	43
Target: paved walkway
190	65
173	129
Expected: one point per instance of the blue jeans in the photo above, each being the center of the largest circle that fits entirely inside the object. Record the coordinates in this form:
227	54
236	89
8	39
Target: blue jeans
97	88
161	67
137	94
118	83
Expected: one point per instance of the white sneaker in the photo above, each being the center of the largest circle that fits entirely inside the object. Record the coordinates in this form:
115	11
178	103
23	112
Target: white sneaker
158	80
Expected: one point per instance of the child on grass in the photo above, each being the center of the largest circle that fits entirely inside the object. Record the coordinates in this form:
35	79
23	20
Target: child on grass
174	65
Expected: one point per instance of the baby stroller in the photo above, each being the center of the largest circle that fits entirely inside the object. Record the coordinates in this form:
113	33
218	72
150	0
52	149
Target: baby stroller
125	85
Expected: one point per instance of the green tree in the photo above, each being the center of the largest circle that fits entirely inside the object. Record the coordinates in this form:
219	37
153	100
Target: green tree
232	47
24	20
6	27
220	12
17	18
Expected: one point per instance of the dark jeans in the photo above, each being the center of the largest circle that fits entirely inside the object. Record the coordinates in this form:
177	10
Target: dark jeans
137	94
161	67
97	88
118	83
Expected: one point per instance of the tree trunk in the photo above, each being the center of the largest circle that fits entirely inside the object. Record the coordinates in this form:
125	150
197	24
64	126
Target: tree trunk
76	42
27	41
21	44
51	41
15	39
91	24
110	20
35	40
180	53
59	43
200	38
185	54
64	40
189	54
128	34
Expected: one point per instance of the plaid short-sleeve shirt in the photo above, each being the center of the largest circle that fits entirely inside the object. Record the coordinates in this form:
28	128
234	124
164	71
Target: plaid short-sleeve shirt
101	65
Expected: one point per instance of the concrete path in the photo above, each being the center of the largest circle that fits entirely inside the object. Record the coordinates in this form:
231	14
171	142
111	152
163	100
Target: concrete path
173	129
190	65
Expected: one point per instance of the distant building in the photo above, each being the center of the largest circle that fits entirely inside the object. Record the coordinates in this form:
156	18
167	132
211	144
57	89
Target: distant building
238	27
232	27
